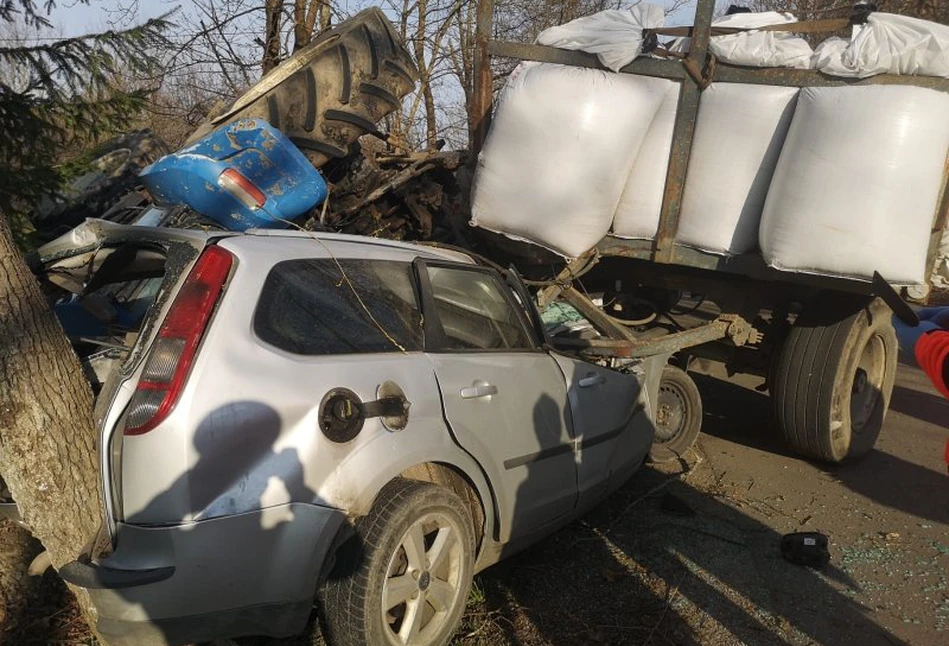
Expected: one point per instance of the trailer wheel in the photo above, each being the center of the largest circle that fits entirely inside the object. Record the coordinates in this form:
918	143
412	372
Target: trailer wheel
678	415
832	379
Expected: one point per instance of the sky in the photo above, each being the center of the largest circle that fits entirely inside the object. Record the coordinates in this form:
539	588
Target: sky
73	18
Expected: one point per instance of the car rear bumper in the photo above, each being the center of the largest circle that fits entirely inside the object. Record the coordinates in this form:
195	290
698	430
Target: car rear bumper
248	574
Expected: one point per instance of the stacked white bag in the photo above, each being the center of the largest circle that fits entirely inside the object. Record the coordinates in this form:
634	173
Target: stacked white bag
832	181
857	183
738	137
560	150
756	48
637	215
887	44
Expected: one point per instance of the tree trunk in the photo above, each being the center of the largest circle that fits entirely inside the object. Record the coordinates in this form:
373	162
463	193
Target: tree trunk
425	71
271	59
47	435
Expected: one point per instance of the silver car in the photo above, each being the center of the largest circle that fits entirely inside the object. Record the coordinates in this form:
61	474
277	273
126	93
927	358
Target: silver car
290	419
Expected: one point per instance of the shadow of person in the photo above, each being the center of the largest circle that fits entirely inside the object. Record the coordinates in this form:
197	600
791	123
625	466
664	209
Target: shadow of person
929	407
897	483
242	531
635	570
236	464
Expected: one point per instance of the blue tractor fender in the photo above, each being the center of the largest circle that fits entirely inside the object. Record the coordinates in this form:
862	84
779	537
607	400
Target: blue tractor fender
244	175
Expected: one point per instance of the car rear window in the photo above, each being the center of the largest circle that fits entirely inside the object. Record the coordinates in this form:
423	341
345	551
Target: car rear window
311	307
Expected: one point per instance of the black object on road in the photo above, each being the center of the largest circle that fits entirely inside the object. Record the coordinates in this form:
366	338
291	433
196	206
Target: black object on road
805	548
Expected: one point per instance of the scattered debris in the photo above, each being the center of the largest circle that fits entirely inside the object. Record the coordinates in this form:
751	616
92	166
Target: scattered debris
806	548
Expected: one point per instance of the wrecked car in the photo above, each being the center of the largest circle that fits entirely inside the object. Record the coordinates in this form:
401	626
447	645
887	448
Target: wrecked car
286	416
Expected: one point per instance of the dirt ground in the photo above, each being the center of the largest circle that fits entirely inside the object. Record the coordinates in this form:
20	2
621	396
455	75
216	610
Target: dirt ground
689	554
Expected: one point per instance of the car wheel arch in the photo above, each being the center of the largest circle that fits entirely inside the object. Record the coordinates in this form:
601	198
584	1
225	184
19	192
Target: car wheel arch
470	484
453	478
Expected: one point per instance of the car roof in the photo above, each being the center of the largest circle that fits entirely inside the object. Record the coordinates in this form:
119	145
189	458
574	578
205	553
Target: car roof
354	246
93	233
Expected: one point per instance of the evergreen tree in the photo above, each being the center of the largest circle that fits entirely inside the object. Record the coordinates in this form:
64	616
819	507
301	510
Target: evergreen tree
69	98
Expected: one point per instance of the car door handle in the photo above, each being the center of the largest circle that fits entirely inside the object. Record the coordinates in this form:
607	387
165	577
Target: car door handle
478	390
592	380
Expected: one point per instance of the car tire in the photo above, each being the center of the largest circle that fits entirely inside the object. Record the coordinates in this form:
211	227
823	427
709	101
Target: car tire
678	415
832	379
414	549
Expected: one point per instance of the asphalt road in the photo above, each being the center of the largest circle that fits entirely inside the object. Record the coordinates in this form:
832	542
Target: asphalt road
887	515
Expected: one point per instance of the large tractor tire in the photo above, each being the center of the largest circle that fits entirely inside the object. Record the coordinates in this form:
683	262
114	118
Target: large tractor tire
832	378
334	90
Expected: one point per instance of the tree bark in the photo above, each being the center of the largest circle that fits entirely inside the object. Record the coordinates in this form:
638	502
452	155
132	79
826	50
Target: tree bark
271	59
425	70
47	435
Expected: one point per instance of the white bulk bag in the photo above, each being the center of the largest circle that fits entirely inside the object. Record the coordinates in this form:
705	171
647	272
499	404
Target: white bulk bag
561	146
887	44
738	138
858	180
756	48
614	35
637	215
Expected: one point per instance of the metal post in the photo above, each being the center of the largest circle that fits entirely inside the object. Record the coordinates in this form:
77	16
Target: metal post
682	137
940	223
483	97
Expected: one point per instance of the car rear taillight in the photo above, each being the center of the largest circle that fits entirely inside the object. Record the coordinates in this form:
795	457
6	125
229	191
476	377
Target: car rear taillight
170	357
241	188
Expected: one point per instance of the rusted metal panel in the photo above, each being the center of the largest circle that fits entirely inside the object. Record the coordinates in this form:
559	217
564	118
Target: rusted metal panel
667	69
682	138
749	265
483	97
812	78
635	349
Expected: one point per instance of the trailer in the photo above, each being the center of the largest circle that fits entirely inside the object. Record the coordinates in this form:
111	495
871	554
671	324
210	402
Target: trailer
825	345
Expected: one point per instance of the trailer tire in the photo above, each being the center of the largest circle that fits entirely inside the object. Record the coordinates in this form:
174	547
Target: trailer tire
333	91
678	415
832	378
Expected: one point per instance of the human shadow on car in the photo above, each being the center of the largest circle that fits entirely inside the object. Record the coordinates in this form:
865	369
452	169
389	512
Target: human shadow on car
234	520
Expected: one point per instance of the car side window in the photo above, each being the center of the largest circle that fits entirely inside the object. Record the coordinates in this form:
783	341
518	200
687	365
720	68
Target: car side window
319	306
474	312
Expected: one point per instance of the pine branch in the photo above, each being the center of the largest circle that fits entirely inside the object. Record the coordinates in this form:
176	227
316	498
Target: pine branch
74	66
9	9
72	98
